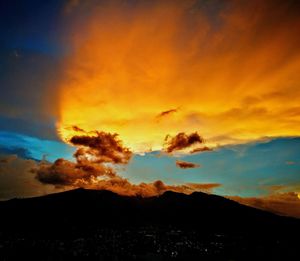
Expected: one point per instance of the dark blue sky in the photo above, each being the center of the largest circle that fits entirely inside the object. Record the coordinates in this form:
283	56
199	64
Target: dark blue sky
31	51
31	26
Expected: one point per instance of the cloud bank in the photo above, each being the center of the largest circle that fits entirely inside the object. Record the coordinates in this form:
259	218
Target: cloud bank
97	155
287	203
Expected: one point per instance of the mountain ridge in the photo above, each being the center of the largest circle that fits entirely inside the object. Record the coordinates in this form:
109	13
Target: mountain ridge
101	203
103	225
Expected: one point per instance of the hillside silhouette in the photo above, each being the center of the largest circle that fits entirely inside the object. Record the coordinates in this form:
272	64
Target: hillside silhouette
113	227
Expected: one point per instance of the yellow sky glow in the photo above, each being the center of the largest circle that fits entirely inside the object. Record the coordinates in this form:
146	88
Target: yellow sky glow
232	78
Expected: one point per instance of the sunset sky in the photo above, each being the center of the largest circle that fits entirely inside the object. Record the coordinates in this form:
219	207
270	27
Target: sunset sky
203	95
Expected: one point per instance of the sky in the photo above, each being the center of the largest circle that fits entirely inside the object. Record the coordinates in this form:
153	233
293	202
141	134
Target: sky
141	96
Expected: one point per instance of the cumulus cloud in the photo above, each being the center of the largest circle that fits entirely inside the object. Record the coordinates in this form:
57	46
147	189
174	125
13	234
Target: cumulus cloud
93	156
17	177
182	141
186	165
102	147
94	168
63	172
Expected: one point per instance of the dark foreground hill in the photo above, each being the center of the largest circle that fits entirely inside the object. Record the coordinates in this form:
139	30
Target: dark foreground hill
100	225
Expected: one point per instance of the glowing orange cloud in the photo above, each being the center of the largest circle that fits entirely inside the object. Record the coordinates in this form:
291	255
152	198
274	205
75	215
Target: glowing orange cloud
287	203
233	73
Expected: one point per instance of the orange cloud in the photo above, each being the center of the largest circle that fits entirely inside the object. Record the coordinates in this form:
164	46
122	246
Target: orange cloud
287	203
17	178
100	148
96	157
124	187
182	141
233	71
165	113
201	149
76	128
66	173
92	156
186	165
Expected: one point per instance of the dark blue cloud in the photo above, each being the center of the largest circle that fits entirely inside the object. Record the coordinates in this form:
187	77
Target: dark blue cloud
31	52
38	127
33	148
20	152
30	24
28	92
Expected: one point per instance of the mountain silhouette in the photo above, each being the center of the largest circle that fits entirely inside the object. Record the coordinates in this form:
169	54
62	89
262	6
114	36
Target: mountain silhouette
197	210
82	213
